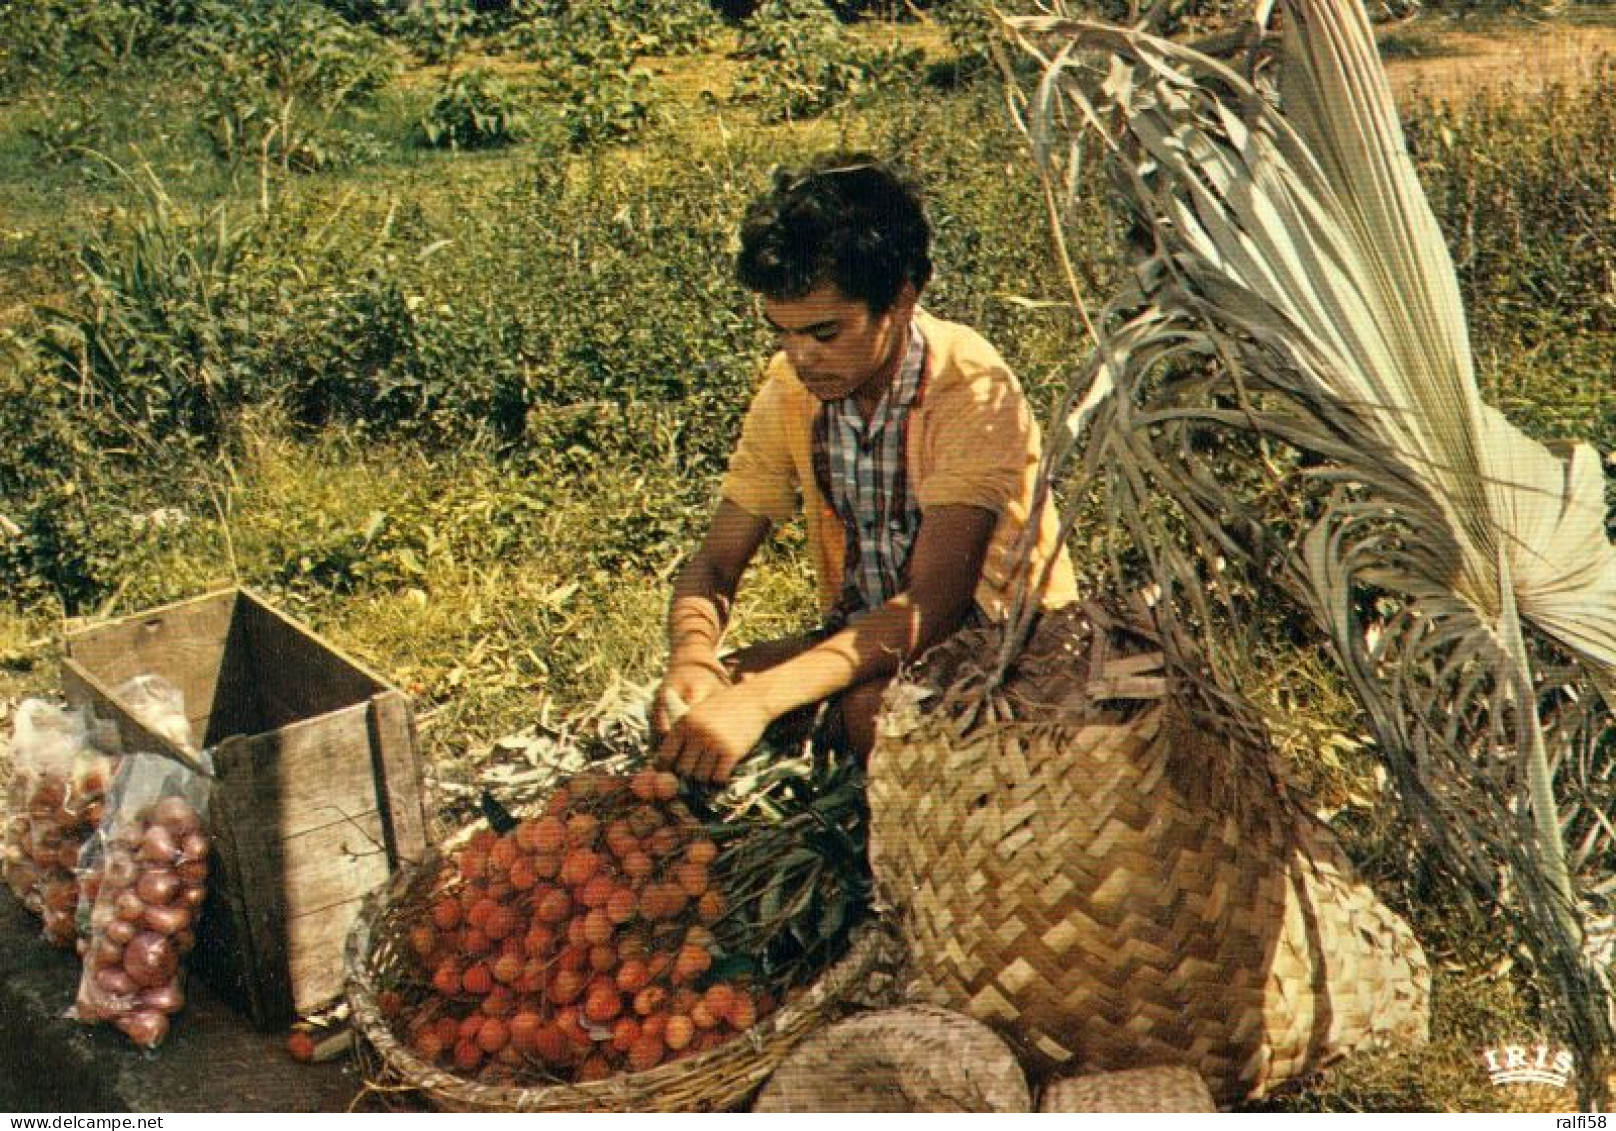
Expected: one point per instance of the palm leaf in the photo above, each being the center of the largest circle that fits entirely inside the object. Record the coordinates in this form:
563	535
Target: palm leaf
1292	291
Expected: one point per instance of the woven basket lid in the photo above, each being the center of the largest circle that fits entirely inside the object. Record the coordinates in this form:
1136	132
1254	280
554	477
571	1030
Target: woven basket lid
916	1058
1164	1088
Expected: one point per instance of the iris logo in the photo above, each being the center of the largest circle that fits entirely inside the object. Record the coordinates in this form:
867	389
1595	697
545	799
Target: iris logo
1528	1064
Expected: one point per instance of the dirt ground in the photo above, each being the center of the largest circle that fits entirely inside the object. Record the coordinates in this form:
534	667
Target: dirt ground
1522	59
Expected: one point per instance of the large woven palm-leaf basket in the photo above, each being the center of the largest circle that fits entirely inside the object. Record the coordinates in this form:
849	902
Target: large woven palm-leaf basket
1111	885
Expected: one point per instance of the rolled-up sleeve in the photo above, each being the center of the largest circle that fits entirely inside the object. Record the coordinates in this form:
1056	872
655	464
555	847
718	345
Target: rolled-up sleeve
980	442
762	479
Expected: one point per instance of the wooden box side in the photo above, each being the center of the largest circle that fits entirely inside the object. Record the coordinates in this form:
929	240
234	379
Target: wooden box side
396	764
185	643
306	840
298	675
318	792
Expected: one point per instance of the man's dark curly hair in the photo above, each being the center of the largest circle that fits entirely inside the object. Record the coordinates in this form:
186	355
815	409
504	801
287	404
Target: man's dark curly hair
847	219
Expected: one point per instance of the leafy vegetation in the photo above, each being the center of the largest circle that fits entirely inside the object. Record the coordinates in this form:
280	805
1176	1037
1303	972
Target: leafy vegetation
801	62
475	110
276	73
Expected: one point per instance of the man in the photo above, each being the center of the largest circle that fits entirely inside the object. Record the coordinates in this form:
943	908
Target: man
907	444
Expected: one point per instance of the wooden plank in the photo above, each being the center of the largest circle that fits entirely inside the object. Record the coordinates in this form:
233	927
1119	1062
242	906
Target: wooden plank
259	605
184	643
315	945
224	937
237	705
309	773
81	688
328	866
396	760
249	805
300	675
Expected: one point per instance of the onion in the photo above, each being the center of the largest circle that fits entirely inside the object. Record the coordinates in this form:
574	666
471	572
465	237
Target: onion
146	1028
193	895
121	870
60	894
105	952
114	982
194	847
150	959
193	871
157	886
130	907
167	998
157	845
167	919
48	795
119	931
176	814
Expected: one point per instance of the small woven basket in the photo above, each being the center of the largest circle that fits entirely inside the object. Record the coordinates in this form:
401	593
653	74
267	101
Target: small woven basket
913	1058
378	958
1110	885
1136	1090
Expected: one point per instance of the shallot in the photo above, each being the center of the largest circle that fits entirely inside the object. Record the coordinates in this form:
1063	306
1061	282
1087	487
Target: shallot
152	885
146	1028
157	886
150	959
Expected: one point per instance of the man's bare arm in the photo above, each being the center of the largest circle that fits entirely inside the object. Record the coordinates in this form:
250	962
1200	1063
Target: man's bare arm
703	593
944	572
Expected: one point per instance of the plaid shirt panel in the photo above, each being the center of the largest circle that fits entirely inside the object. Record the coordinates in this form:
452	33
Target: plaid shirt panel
860	468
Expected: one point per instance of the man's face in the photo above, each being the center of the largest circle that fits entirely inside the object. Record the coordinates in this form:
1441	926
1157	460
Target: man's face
837	347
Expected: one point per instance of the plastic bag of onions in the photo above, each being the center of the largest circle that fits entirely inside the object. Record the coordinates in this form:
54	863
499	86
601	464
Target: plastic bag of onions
148	867
54	804
160	706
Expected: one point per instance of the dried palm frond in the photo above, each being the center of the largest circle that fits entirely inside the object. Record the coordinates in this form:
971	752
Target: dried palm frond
1293	299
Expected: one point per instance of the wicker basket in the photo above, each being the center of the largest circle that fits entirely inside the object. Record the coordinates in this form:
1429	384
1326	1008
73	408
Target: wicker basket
914	1058
1136	1090
1110	885
377	958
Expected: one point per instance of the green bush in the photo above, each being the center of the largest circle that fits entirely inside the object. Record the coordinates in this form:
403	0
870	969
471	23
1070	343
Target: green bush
603	96
436	31
588	55
150	340
800	62
83	38
474	110
275	74
647	27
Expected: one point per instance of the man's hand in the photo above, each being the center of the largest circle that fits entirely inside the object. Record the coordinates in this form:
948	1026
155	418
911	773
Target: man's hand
687	683
715	734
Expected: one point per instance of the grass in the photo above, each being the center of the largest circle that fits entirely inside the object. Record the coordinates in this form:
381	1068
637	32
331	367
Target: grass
1415	43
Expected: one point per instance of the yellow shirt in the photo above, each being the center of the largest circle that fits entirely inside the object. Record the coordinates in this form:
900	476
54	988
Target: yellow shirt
972	442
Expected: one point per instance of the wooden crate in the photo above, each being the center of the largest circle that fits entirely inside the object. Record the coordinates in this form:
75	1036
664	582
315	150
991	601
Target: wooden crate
318	793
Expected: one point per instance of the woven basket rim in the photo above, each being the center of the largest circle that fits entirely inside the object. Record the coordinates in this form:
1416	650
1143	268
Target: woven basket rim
623	1091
